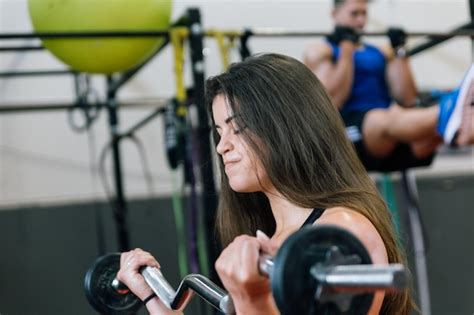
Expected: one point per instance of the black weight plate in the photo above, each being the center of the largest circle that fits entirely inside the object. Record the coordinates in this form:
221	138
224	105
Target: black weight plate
292	284
100	293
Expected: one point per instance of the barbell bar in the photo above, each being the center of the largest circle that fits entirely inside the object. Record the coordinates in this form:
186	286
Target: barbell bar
321	267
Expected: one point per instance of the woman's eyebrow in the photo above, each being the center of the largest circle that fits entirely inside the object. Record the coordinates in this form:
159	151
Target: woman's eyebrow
226	121
229	119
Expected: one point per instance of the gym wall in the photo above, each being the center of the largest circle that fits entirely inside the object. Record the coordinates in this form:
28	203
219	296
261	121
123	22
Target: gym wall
43	160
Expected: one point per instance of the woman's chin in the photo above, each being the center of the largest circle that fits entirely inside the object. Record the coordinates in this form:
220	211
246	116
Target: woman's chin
242	187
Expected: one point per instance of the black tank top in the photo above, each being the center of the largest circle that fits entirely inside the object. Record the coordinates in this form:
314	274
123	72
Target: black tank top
313	216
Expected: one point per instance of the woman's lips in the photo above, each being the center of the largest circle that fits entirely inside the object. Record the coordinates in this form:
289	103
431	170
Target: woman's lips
229	165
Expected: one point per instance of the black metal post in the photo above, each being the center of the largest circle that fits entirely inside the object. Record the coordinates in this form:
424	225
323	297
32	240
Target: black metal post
416	233
244	48
471	9
119	202
207	174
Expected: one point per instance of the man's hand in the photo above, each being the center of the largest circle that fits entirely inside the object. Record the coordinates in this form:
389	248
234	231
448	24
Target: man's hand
342	33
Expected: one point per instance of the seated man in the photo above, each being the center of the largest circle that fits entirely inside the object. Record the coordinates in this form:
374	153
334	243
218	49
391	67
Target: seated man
362	80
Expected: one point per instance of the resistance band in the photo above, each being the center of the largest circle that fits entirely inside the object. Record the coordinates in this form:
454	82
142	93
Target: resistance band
177	36
179	221
225	42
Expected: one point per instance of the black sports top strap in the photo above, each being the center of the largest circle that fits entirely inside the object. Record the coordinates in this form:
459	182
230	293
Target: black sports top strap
314	215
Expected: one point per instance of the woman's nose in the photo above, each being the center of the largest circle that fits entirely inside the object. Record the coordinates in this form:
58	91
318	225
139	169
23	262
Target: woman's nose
224	145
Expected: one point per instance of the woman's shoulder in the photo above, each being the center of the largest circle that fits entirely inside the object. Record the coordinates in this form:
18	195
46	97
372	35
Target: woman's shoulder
360	226
347	215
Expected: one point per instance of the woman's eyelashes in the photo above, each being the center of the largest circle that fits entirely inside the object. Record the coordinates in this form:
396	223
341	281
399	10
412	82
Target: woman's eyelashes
232	125
236	130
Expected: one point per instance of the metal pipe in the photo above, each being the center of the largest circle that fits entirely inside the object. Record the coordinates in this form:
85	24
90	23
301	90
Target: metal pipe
13	108
433	39
193	283
361	278
35	73
274	32
159	285
260	32
206	289
21	48
29	108
266	265
88	34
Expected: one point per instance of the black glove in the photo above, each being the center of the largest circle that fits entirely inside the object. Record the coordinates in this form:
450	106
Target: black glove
343	33
397	37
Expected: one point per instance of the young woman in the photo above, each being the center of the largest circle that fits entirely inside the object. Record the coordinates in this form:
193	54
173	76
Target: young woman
285	161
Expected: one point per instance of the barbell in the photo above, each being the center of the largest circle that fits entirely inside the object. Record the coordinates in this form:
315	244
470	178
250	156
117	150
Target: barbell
323	270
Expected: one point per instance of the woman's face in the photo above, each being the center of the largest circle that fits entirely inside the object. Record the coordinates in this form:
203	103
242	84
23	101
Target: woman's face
242	167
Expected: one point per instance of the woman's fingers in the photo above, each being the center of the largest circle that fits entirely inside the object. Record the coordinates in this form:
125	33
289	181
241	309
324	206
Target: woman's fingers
130	264
250	253
267	245
137	258
237	267
238	257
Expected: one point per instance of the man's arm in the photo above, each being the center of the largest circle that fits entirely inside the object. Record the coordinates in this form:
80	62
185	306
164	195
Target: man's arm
400	80
336	77
399	76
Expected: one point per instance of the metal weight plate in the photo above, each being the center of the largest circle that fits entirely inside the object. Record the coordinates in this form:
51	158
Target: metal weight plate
293	286
100	293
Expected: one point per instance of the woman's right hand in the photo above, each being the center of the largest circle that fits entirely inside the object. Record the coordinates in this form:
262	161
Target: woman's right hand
129	274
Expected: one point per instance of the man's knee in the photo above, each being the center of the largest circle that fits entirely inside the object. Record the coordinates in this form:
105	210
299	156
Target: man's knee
376	120
376	138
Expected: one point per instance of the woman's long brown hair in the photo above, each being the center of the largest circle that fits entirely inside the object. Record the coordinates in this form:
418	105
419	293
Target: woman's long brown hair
306	153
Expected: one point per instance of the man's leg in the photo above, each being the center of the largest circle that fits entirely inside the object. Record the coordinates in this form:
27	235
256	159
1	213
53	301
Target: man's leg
423	128
383	128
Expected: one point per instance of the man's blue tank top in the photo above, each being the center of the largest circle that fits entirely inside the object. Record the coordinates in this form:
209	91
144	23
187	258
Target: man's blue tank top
369	88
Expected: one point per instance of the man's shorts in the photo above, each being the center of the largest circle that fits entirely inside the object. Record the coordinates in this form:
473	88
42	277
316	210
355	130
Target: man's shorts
400	159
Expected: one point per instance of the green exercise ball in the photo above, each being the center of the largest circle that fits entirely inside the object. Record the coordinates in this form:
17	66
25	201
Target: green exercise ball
101	55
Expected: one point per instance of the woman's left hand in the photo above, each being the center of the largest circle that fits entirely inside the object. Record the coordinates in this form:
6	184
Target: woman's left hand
237	267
